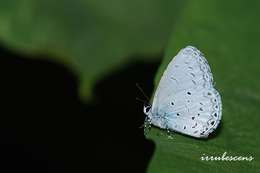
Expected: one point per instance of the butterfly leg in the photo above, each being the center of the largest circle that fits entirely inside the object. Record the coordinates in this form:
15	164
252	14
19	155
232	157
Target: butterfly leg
147	125
169	133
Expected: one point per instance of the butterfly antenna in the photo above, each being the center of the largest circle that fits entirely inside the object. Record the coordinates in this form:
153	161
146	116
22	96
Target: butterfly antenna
147	123
141	100
138	86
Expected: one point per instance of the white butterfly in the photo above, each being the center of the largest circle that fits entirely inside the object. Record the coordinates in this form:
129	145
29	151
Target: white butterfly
186	100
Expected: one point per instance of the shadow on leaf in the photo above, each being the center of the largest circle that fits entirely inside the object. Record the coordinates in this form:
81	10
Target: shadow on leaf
45	127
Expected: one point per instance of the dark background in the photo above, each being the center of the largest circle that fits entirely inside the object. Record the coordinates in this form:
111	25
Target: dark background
45	127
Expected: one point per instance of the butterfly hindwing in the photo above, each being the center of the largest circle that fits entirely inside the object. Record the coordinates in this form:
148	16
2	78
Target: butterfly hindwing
194	112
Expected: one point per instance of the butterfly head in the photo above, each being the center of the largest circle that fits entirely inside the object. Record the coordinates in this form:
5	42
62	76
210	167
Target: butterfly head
148	120
147	110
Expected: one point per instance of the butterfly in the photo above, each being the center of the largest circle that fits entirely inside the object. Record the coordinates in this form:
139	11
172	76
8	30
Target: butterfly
186	100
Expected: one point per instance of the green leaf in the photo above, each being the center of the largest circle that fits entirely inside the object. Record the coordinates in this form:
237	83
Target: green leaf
91	36
228	33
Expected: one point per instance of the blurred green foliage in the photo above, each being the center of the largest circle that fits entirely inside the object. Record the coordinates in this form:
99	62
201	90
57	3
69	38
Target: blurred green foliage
228	33
95	36
91	36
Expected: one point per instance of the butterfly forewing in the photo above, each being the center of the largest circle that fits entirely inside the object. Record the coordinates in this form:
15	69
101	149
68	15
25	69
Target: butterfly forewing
185	100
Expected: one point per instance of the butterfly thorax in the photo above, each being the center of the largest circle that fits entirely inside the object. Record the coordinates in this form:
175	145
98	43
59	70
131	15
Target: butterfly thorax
156	118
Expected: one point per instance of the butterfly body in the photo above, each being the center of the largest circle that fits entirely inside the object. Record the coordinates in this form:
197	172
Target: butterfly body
186	100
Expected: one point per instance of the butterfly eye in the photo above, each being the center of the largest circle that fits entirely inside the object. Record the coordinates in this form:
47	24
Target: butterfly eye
188	93
147	108
172	103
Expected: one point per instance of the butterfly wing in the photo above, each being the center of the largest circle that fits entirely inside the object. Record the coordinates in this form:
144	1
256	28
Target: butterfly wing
185	100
